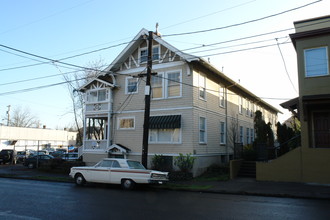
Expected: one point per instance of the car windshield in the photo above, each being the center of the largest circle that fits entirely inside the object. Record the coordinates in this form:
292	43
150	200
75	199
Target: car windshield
135	165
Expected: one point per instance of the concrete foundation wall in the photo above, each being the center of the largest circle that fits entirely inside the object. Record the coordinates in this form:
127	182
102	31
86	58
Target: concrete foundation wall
234	166
316	165
298	165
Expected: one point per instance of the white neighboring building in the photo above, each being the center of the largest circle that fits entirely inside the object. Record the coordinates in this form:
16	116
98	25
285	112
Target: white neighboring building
21	139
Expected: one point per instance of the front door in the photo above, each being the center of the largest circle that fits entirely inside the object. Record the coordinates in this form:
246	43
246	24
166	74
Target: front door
321	129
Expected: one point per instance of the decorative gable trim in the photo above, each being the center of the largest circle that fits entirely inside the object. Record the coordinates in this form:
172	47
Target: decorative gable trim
121	60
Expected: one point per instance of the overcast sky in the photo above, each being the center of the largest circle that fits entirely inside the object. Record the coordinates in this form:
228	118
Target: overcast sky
64	28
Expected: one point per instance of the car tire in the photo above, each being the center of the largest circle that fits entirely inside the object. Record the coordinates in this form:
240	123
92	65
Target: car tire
31	165
79	180
127	184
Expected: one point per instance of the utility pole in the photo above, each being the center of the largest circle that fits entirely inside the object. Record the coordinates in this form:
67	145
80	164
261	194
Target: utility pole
8	115
147	104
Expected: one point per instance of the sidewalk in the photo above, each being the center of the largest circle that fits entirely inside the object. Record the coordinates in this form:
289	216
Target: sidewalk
239	186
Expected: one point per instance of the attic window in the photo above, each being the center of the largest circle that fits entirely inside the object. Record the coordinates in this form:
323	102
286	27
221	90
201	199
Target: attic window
144	54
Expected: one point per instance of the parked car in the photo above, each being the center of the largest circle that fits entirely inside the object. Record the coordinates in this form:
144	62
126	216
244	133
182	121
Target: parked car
8	156
21	156
57	154
128	173
32	162
70	156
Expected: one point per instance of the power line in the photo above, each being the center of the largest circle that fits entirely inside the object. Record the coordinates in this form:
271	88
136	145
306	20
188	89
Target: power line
286	70
242	23
38	87
237	45
207	55
49	60
213	13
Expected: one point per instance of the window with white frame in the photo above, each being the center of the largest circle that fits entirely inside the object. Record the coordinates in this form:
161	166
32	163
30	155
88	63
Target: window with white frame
131	85
202	87
247	135
252	134
169	136
253	109
241	134
166	85
98	95
202	130
173	80
96	128
144	54
126	123
316	62
222	96
157	86
240	104
222	133
247	107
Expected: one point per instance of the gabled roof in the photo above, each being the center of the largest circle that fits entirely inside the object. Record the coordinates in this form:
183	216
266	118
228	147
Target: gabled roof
134	44
111	82
195	60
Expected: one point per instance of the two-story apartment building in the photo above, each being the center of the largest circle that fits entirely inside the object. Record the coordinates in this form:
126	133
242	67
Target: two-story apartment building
195	108
311	161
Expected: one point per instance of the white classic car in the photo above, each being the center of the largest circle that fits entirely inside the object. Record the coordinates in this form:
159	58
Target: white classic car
117	171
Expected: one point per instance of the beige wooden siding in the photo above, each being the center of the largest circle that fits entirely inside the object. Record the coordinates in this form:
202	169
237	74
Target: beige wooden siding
133	138
136	101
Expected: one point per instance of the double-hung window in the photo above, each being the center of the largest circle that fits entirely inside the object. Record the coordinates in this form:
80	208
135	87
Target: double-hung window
241	134
222	133
222	96
170	135
144	54
202	130
157	86
165	129
166	85
240	105
247	135
316	62
252	135
247	107
202	87
126	123
173	84
131	85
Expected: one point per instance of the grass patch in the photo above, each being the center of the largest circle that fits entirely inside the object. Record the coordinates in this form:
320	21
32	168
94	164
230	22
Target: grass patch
205	178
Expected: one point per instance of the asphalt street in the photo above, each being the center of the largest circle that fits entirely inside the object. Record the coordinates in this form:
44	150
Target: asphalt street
32	200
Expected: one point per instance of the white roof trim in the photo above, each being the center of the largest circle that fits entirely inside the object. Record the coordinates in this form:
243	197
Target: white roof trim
122	150
136	41
99	80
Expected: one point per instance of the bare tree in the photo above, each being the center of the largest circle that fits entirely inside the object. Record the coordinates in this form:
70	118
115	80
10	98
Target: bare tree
23	118
233	134
74	82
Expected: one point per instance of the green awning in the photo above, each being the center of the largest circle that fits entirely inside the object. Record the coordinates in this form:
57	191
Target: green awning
165	122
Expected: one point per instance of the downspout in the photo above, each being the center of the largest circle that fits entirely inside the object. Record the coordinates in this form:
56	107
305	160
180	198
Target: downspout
226	119
81	152
109	139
